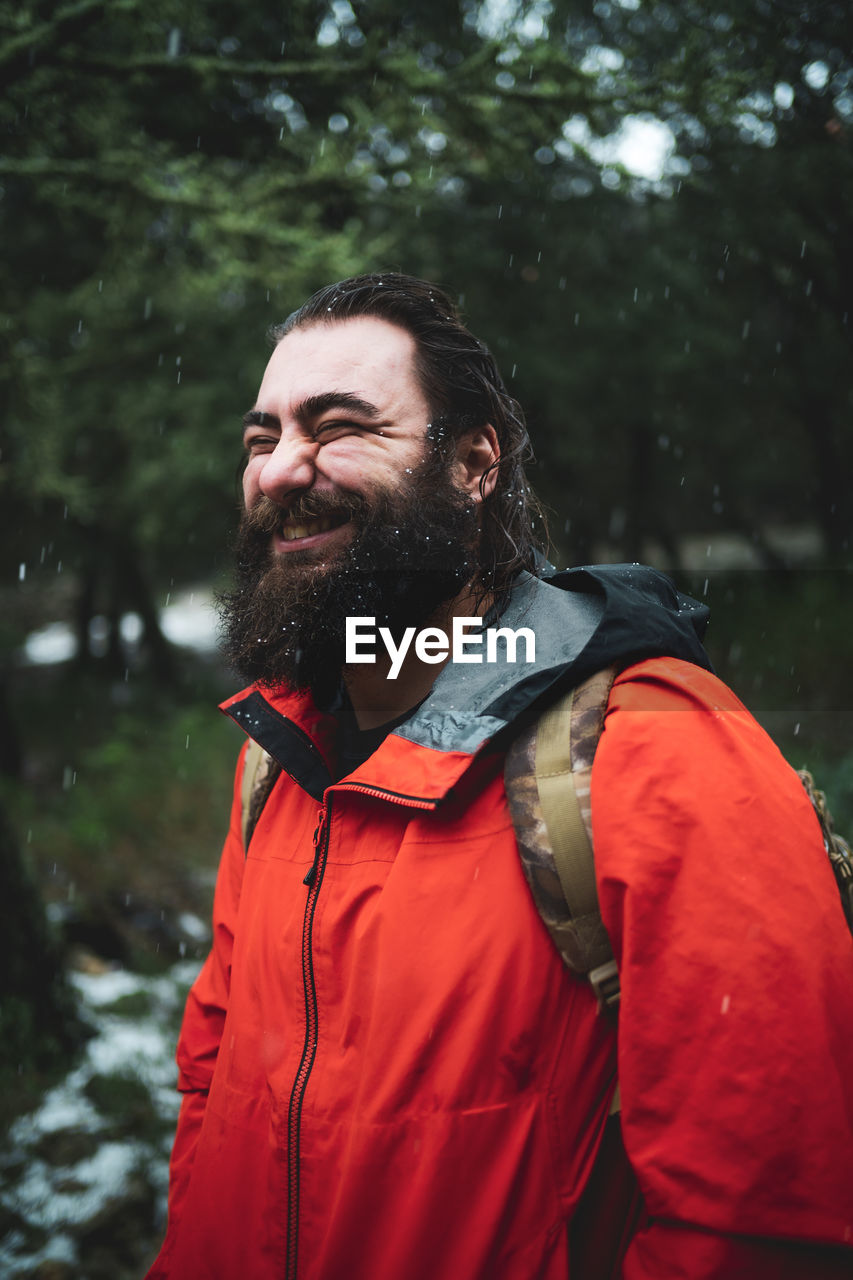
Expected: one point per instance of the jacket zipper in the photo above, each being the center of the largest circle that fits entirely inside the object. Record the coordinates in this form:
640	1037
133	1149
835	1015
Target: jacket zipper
410	802
313	879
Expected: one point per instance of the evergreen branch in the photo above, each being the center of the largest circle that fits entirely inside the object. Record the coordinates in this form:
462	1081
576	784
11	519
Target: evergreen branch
203	66
18	53
214	197
323	72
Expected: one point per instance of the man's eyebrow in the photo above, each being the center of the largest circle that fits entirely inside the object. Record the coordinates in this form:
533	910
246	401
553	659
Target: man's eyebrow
257	418
314	406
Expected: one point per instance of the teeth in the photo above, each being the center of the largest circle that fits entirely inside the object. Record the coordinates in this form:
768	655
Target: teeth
290	532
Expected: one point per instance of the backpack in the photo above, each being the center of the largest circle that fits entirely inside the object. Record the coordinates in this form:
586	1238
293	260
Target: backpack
547	774
547	777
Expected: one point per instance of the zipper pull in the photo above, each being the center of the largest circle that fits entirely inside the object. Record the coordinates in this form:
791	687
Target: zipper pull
318	836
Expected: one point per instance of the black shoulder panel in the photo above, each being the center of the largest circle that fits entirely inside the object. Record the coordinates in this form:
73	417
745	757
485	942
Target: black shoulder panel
285	742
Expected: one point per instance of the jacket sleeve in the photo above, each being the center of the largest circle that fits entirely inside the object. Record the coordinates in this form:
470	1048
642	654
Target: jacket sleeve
203	1021
736	1023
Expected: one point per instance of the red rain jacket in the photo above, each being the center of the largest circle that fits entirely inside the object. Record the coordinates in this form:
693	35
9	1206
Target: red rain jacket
388	1074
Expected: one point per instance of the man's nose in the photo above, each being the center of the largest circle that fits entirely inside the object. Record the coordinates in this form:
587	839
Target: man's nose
289	469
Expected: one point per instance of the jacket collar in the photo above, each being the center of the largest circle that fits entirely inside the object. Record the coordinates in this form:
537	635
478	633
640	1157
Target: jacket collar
583	620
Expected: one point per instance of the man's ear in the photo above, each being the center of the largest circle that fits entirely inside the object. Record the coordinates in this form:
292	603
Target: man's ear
477	451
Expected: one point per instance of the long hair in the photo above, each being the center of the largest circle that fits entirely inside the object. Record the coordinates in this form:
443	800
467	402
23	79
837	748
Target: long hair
464	390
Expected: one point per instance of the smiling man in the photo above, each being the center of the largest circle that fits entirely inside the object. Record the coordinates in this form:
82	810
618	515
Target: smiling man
363	514
389	1072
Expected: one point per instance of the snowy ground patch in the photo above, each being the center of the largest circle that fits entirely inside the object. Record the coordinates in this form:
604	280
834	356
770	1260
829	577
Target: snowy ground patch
103	1134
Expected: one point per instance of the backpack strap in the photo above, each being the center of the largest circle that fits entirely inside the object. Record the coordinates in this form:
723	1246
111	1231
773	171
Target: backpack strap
547	775
259	775
837	849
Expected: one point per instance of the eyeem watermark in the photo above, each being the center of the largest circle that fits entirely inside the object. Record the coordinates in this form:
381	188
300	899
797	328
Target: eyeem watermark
433	645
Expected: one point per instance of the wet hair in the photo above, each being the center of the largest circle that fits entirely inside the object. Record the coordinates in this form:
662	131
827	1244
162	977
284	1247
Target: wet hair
464	390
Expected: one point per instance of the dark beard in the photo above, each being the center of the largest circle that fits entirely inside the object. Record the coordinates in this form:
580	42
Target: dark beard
413	550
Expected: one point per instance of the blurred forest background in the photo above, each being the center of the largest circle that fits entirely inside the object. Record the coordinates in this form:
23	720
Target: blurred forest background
645	208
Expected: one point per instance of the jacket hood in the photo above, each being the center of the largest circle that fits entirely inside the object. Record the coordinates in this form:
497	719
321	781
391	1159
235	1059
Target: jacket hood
582	620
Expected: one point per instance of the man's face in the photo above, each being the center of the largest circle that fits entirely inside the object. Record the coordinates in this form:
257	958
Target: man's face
340	410
349	512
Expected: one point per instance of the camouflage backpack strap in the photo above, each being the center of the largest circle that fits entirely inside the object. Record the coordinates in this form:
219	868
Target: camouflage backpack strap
259	774
837	849
547	775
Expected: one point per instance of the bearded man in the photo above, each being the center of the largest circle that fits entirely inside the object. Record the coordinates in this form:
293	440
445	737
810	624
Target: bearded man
388	1072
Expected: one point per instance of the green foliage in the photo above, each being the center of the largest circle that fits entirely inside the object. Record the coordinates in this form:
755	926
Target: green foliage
134	1005
150	787
176	180
28	1045
126	810
774	638
124	1100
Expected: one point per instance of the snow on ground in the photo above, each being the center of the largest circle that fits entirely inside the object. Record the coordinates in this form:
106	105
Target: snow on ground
189	619
45	1199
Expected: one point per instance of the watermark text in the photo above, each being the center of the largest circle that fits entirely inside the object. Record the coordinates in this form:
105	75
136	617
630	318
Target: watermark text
465	644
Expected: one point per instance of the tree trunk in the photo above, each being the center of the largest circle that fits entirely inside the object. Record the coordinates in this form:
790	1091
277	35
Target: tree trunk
84	610
38	1025
140	597
11	754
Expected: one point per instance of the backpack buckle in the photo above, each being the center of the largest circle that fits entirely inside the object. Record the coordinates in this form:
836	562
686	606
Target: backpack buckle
604	981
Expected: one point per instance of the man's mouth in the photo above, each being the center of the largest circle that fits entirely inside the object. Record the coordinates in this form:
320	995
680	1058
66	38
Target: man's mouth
290	532
296	530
